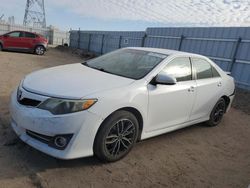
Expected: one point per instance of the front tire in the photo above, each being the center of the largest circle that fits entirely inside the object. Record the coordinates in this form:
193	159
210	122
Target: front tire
1	47
116	136
217	113
39	50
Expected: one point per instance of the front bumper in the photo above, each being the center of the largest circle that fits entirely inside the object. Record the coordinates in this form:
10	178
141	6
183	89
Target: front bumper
83	125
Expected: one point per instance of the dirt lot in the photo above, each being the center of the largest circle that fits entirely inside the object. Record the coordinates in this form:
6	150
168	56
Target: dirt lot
192	157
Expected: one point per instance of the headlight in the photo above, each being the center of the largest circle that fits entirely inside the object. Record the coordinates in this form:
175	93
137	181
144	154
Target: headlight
63	106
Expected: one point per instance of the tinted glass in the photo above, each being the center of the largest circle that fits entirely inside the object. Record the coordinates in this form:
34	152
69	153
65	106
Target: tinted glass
14	34
180	68
21	34
129	63
30	35
203	68
215	72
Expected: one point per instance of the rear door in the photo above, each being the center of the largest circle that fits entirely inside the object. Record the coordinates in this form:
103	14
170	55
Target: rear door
29	40
208	88
13	40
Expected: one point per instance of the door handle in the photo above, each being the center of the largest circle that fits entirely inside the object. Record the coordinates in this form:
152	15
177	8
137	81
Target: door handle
219	84
191	89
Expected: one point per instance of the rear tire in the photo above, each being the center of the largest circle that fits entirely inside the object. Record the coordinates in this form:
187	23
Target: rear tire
39	50
217	113
116	136
1	47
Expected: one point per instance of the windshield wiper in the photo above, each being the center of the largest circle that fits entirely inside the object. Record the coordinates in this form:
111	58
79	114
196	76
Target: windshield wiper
100	69
103	70
85	63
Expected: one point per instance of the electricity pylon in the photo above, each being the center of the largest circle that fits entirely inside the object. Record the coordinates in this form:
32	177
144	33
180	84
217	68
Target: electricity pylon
34	14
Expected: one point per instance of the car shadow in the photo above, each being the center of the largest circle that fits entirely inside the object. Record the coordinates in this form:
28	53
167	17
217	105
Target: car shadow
32	161
13	151
18	51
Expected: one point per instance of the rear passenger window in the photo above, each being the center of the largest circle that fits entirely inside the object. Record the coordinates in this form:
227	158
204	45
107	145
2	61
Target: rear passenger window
215	72
30	35
180	68
203	68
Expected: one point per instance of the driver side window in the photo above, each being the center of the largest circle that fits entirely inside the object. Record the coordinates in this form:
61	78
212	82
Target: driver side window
180	68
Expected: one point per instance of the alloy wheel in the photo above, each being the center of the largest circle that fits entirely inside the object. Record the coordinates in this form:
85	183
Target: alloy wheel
39	50
121	137
219	112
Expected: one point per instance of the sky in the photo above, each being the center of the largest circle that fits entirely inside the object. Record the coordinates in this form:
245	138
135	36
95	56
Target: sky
127	15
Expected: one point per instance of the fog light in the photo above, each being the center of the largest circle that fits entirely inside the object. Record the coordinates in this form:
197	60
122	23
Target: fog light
60	142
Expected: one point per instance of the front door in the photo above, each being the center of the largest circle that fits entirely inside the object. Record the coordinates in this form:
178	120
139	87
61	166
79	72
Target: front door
13	40
171	105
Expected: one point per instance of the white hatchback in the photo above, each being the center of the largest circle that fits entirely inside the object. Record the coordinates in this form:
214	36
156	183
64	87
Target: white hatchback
103	106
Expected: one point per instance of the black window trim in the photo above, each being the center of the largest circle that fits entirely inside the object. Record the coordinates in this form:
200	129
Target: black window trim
22	34
193	73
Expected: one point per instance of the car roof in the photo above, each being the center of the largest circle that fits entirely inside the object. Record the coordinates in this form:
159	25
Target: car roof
22	31
165	51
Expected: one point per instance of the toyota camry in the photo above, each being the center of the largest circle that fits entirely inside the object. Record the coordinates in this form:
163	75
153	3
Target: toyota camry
102	107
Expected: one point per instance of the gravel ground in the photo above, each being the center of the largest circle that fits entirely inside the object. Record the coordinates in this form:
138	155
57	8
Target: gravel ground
242	100
196	156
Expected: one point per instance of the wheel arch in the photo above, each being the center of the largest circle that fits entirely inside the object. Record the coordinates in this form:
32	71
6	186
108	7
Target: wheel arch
1	43
132	110
138	116
227	100
39	44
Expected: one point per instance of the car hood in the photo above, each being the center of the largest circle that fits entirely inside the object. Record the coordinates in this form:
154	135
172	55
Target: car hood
72	81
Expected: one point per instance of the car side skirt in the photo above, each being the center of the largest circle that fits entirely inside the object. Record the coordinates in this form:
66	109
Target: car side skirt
146	135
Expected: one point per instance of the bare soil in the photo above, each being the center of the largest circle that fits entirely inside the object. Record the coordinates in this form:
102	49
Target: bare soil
242	100
196	156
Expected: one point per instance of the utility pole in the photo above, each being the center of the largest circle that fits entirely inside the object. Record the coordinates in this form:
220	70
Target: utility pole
34	14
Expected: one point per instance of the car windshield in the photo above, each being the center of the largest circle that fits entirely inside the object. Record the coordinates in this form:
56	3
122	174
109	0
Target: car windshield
129	63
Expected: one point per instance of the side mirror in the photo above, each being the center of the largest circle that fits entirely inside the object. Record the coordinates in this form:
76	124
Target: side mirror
164	79
5	36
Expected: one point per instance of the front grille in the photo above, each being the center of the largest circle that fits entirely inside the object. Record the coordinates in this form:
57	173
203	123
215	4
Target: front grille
42	138
29	102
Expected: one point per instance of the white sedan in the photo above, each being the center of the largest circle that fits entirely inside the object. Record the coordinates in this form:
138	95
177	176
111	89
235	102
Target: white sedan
104	106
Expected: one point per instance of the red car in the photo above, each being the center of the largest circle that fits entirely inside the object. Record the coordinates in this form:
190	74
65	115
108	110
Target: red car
23	41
